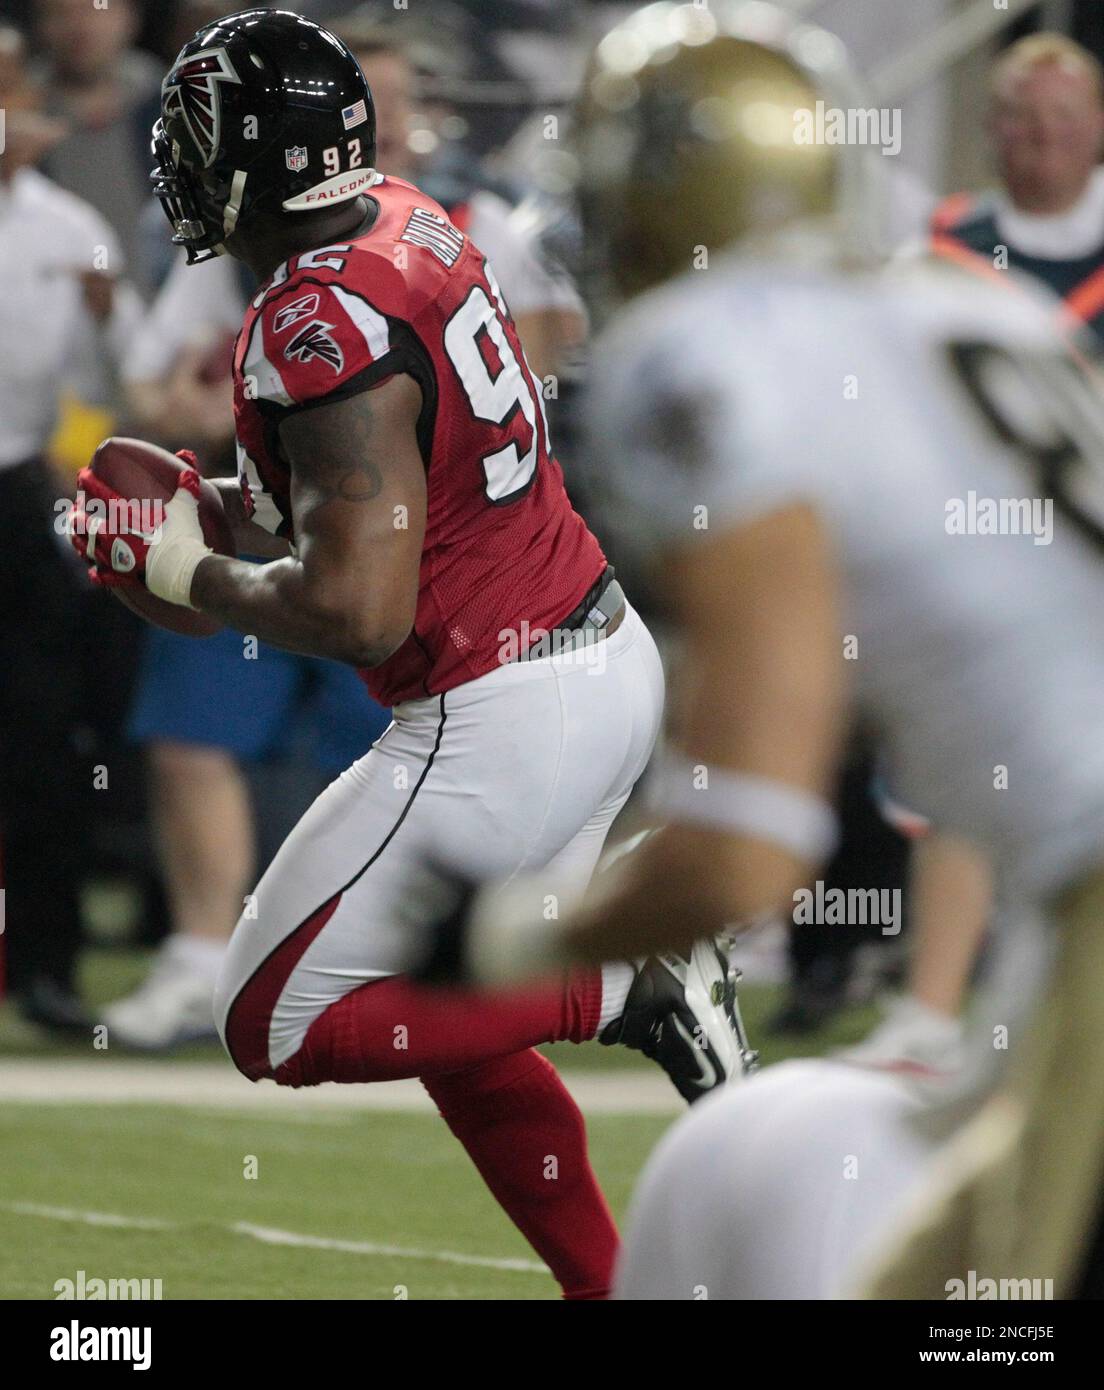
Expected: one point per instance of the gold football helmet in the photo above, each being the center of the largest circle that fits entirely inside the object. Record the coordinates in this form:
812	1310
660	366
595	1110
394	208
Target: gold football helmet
693	133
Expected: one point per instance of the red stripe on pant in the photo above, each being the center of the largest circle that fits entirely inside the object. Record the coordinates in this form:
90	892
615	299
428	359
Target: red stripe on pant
250	1015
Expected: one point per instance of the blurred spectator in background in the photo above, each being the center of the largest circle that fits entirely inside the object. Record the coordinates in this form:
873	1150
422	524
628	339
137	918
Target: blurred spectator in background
107	91
413	143
62	319
1047	220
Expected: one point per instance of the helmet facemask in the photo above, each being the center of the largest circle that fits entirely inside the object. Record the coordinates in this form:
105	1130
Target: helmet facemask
194	212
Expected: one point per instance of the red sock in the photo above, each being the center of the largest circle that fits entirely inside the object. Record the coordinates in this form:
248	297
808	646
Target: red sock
503	1102
526	1136
393	1028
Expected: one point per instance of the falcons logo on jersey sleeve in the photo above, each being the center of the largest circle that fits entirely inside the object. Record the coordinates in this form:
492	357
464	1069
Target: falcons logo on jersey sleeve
192	90
315	340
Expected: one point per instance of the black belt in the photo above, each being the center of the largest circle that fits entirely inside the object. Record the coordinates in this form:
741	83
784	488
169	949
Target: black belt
599	612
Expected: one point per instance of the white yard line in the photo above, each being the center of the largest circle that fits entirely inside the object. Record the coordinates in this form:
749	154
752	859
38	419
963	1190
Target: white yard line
86	1218
216	1085
269	1235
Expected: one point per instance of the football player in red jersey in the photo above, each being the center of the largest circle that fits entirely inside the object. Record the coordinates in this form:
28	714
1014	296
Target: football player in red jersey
393	449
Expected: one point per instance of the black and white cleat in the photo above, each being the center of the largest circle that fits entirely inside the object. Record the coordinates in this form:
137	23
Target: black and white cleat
682	1013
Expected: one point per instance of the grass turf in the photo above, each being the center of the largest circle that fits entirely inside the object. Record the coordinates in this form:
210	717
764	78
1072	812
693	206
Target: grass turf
382	1178
388	1179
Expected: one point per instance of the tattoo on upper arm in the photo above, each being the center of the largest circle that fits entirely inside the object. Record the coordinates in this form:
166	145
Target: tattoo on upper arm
331	453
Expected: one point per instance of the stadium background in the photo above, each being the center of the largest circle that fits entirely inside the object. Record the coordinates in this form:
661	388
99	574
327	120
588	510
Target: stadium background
171	1167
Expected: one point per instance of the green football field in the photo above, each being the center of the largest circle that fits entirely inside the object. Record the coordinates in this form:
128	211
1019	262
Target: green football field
310	1201
390	1199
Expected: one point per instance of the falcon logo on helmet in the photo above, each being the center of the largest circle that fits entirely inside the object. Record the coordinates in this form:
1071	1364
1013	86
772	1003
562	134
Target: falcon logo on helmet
314	341
192	91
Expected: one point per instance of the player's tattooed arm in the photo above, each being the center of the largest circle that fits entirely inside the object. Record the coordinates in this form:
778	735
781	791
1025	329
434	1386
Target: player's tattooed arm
337	468
358	499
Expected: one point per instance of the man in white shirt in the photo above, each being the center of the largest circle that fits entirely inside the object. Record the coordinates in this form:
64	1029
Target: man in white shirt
63	321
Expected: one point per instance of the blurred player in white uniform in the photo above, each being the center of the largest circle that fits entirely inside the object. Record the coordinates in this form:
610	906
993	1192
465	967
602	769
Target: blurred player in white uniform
866	497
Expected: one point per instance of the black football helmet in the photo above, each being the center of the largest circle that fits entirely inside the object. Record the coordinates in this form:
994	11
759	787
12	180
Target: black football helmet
262	111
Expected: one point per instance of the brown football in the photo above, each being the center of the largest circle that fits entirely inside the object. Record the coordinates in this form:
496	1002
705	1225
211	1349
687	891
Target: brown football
144	473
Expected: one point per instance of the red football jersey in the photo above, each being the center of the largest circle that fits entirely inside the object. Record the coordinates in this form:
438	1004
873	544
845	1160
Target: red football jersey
503	545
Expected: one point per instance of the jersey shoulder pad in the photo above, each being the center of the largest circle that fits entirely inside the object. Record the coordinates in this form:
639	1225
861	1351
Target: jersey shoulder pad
319	334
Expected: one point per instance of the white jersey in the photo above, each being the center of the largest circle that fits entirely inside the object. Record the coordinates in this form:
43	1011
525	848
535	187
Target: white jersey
913	410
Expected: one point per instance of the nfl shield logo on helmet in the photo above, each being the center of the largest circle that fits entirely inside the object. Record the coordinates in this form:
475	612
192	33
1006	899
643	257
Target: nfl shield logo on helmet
296	158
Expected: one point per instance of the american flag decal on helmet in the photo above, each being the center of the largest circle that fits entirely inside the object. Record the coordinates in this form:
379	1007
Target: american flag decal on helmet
354	115
192	91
